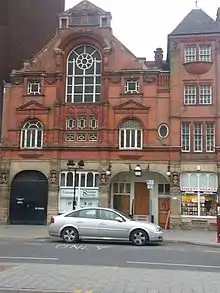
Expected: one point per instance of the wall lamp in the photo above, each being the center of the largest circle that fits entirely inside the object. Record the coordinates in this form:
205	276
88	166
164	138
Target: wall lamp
138	170
108	172
168	171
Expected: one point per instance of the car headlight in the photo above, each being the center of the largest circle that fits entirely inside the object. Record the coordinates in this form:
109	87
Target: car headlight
158	229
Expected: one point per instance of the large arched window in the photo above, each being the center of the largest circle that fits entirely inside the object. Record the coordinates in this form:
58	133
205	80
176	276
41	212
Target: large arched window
32	135
84	67
130	135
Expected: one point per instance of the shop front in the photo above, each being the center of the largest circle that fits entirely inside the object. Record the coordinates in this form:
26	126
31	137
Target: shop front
86	187
198	200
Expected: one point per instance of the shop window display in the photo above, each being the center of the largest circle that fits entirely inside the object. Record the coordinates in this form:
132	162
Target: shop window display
194	204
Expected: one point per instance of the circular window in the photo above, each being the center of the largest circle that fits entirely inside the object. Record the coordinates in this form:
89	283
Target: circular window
84	61
163	131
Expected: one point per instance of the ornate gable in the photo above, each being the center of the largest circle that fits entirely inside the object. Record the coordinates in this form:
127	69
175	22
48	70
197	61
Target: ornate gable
86	5
33	106
131	105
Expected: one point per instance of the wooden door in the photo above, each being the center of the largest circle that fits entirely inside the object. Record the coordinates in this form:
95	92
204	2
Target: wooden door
163	211
122	203
141	199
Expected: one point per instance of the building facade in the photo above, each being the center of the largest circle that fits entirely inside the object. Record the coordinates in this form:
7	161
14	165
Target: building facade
133	122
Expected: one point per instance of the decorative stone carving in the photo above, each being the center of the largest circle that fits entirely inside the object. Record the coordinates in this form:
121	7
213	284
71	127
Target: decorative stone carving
17	79
115	79
59	59
50	80
149	78
3	176
103	178
175	179
53	177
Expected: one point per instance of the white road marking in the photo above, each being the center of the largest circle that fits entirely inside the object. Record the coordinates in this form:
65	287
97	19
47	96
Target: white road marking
101	247
29	257
212	251
172	264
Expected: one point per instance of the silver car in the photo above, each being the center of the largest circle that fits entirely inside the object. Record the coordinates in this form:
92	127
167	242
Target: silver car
103	224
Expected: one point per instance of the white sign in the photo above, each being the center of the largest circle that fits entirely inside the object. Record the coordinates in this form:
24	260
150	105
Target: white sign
208	189
83	193
150	184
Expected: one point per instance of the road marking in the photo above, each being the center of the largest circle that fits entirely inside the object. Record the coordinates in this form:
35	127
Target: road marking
80	247
81	291
172	264
27	257
212	251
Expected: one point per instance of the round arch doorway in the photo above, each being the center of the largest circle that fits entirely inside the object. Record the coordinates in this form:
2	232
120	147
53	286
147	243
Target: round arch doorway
29	198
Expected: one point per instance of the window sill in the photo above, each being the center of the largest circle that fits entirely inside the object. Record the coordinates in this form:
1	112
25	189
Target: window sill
131	94
199	217
32	95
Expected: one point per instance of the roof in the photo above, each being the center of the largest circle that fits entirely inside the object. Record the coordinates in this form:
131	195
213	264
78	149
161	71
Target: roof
197	22
86	5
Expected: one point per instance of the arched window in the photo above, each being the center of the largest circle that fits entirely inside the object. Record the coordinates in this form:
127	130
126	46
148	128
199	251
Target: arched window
130	135
84	67
32	135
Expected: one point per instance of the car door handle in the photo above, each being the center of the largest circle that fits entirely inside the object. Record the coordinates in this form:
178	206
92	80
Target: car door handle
79	222
103	224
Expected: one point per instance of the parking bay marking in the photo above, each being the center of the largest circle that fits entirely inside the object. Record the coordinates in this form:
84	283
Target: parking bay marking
79	247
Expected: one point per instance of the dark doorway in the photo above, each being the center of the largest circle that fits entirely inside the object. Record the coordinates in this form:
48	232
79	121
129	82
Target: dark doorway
29	197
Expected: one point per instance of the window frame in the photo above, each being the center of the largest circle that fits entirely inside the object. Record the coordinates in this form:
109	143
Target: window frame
159	128
125	131
199	136
89	79
184	123
196	56
136	85
30	92
206	137
26	131
197	94
79	175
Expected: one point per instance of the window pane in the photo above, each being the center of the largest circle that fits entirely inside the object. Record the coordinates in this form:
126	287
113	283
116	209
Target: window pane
62	179
96	180
189	204
39	138
77	179
83	180
121	188
128	138
89	180
28	132
78	98
88	98
115	187
78	80
167	189
122	138
69	179
139	135
128	188
160	188
133	138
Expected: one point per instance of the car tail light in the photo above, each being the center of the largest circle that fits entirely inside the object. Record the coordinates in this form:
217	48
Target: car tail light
52	220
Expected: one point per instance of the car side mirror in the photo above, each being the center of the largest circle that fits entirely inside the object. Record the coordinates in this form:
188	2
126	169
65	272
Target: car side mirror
119	219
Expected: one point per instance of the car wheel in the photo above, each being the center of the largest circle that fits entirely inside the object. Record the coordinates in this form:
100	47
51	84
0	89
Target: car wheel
70	235
139	237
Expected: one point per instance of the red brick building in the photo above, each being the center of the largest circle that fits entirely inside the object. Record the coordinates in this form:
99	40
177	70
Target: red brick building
85	96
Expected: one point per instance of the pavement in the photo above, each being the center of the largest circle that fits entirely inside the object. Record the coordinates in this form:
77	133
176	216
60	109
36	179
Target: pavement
36	266
196	237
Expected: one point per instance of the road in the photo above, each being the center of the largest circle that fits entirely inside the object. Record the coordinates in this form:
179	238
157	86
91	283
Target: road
172	256
104	268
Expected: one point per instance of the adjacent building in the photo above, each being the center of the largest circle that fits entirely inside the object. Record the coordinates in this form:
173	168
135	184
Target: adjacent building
145	130
25	27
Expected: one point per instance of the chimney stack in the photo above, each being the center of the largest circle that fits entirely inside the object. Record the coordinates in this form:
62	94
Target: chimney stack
218	15
158	57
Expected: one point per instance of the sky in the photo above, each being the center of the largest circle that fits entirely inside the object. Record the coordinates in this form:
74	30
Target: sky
143	25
